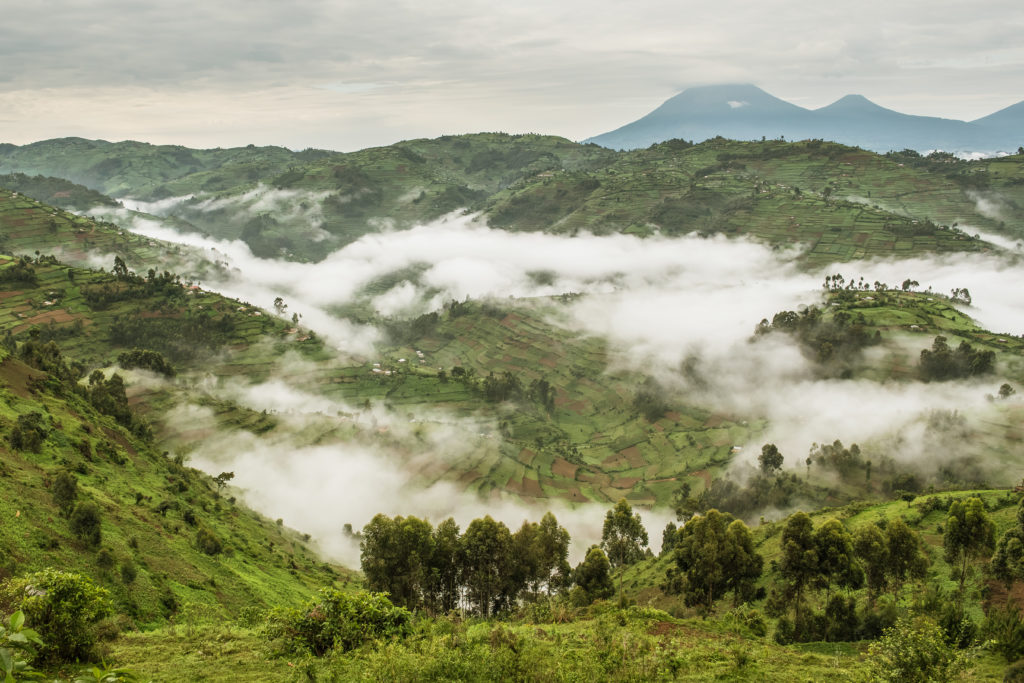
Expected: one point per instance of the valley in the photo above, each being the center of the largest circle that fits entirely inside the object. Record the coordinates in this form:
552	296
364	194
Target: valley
495	325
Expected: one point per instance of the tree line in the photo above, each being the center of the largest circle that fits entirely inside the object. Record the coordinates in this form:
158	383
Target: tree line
808	587
488	568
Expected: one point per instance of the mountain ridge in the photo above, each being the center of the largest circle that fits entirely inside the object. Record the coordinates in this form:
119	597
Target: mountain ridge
746	112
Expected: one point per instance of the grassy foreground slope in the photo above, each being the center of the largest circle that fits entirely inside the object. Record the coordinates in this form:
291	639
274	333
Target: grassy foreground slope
657	638
157	515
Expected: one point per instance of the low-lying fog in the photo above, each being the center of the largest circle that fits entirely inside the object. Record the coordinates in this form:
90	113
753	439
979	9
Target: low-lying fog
659	301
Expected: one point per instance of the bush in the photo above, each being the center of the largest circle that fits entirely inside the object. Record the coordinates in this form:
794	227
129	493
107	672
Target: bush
1014	672
85	523
1005	629
914	650
29	432
64	491
105	559
207	542
337	620
128	572
63	607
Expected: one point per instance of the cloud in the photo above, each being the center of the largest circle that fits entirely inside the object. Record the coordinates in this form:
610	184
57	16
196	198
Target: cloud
680	309
320	487
349	75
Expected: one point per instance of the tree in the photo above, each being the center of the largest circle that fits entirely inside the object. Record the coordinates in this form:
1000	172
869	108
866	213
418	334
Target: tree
280	307
837	562
65	492
799	565
623	538
770	459
969	534
395	556
1006	391
870	545
524	569
593	576
445	572
1008	560
715	555
222	479
908	558
486	546
552	552
85	523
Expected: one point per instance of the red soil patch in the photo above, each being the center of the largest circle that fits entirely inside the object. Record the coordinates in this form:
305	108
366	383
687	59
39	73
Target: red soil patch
576	496
714	421
510	320
598	479
704	476
531	487
563	468
468	478
661	628
578	407
625	482
58	315
549	362
633	456
613	461
526	456
8	295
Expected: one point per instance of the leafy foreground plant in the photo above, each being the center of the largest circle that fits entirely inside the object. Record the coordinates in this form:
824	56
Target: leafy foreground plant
16	641
914	650
337	620
63	606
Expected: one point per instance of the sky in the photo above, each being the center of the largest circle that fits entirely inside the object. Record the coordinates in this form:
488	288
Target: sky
345	75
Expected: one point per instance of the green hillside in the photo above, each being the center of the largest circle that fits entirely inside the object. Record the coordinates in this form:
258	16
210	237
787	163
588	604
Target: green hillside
158	516
844	203
540	412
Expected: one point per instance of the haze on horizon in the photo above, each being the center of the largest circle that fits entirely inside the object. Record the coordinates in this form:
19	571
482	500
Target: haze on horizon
345	76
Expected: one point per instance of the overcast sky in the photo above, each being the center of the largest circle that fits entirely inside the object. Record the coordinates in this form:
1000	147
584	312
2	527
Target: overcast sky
344	75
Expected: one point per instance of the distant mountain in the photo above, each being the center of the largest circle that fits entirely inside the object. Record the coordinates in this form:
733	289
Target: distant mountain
745	112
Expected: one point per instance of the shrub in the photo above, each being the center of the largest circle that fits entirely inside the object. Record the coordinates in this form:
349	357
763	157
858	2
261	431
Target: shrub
105	559
85	523
1005	629
64	491
128	572
1014	672
63	607
914	650
29	432
337	620
207	542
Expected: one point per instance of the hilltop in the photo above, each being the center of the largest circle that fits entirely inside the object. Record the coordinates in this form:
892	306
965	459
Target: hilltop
303	206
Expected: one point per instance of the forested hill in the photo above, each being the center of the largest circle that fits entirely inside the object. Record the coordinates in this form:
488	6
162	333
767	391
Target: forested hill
843	201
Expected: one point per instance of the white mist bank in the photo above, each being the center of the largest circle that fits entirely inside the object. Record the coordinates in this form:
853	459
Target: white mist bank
319	488
662	303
